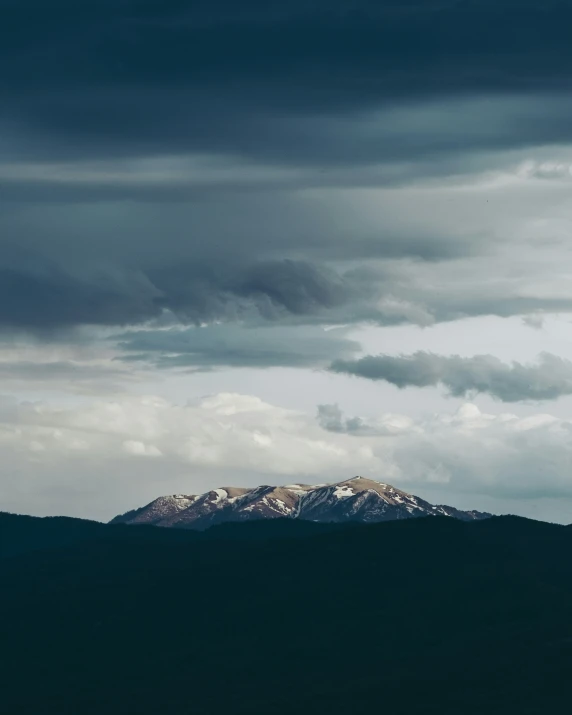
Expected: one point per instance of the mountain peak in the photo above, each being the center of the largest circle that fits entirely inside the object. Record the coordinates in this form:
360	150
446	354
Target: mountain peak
355	499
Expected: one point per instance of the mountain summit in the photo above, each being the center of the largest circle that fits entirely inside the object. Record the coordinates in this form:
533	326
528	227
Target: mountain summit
357	499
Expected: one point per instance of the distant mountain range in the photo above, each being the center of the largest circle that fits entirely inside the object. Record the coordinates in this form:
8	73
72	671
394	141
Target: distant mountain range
354	500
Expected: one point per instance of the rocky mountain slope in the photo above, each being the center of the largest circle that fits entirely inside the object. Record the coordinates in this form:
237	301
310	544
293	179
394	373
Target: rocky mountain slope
357	499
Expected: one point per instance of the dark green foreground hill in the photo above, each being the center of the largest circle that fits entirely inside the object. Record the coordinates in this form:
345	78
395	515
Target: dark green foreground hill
420	616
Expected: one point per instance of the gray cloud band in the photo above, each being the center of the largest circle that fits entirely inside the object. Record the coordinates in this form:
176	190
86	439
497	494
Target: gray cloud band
549	379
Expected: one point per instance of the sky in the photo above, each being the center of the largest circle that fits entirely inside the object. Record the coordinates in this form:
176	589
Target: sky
268	242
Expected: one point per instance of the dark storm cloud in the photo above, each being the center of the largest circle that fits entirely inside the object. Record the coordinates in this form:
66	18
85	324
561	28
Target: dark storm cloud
429	42
295	285
46	298
50	299
279	82
271	289
43	297
300	87
394	293
235	346
49	183
549	379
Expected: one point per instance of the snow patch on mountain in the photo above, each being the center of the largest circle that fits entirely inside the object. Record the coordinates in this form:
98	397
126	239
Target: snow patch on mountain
343	491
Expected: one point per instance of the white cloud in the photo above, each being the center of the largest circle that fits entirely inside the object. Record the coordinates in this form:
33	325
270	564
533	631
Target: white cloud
132	446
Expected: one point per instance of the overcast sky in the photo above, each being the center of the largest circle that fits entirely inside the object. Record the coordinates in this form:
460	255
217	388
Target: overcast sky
263	242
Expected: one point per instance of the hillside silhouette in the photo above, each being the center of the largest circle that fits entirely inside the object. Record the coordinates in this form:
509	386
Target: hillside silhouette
429	615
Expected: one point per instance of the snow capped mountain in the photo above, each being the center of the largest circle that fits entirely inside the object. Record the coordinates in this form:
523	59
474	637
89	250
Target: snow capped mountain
356	499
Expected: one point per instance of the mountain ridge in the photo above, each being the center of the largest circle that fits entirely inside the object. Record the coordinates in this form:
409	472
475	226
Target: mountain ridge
357	499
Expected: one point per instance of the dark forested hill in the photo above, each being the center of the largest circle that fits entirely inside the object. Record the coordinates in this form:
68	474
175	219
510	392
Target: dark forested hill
418	616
